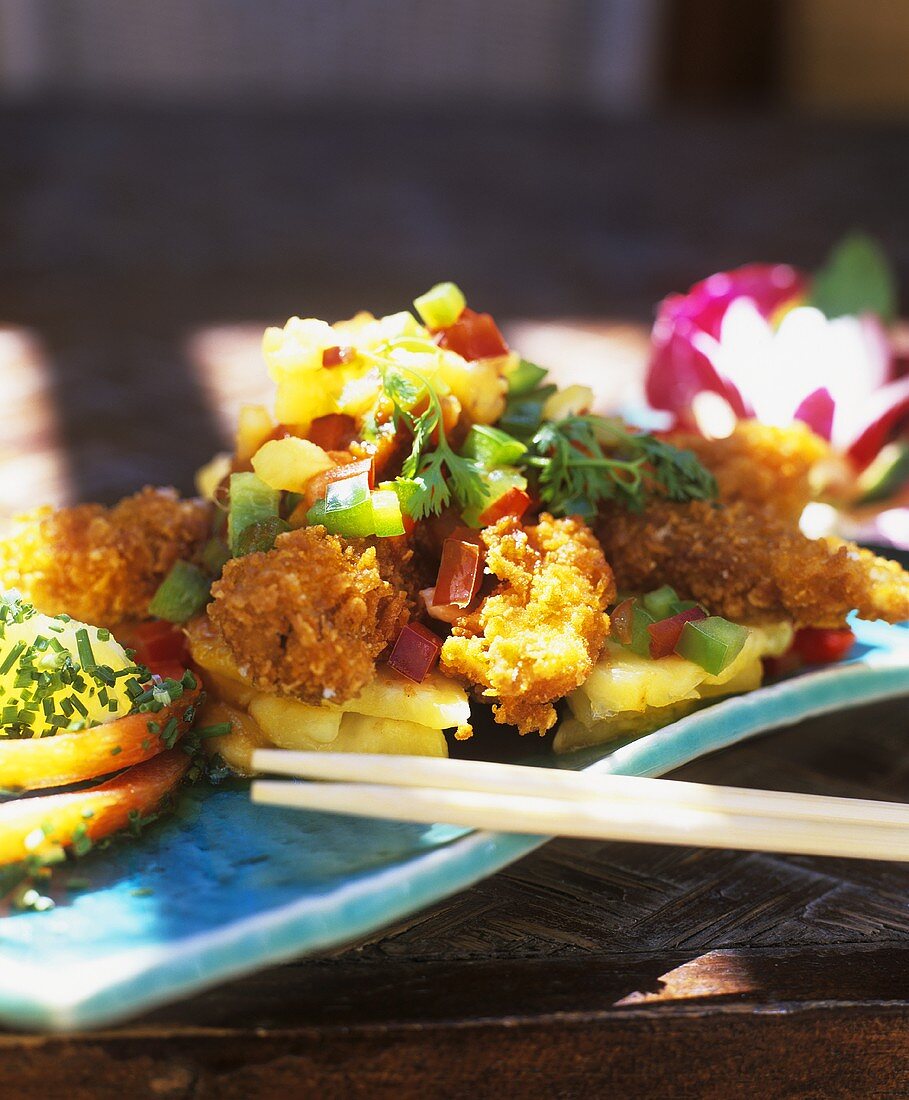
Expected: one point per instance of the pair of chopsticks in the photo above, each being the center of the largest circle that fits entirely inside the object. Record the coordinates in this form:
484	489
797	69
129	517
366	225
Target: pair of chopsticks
515	799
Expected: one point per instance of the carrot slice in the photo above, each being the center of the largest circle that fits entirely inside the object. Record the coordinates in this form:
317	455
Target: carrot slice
39	763
37	826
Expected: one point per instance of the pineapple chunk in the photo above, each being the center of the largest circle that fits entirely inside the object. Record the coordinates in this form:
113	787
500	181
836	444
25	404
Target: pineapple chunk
574	734
254	426
209	650
438	702
237	747
480	385
210	476
290	724
300	399
363	733
289	463
572	401
230	691
624	681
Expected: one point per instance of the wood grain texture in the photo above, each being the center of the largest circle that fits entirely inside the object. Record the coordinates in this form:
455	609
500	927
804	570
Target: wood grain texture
587	968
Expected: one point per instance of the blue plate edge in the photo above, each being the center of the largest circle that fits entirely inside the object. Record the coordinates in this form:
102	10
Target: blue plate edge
449	869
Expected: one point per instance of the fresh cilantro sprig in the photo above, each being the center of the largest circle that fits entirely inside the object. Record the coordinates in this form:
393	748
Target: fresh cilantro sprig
435	470
583	461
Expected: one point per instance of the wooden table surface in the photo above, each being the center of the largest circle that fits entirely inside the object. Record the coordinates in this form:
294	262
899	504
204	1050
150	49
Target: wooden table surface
586	968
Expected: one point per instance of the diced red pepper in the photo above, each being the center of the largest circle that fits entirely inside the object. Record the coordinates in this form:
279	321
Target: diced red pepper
621	621
817	646
474	336
332	432
415	652
460	573
445	613
335	356
318	484
513	502
665	634
157	644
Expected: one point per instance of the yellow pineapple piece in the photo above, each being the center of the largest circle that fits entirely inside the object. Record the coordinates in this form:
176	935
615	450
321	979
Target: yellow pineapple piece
480	385
438	702
254	426
235	748
365	733
290	724
210	476
289	463
571	401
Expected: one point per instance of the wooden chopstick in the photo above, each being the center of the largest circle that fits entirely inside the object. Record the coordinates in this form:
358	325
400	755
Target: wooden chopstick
516	779
644	810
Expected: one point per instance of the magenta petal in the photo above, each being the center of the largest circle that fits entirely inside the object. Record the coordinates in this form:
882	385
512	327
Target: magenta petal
887	407
679	371
817	410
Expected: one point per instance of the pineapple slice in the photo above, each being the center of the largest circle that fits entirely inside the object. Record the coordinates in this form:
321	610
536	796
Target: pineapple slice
574	734
438	702
254	426
289	463
237	747
628	694
290	724
364	733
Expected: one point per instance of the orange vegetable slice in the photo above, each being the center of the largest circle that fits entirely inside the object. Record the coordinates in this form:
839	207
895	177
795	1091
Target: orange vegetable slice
39	763
38	826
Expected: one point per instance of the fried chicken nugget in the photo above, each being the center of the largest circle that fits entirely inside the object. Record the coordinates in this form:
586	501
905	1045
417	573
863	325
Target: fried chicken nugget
310	617
537	636
763	465
749	565
102	565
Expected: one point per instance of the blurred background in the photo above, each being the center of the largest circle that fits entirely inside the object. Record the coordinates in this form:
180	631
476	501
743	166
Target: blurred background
171	165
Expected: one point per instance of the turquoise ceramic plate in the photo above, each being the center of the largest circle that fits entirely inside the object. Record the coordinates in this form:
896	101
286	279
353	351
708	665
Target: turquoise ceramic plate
226	887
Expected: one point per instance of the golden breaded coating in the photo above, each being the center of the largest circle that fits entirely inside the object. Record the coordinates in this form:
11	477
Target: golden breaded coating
102	565
763	465
310	617
750	566
539	633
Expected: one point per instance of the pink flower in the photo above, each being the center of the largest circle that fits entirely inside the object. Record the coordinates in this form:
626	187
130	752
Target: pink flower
743	344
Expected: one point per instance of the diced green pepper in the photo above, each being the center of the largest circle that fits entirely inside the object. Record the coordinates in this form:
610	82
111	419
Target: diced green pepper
346	509
251	500
386	513
713	643
441	306
523	415
524	378
406	489
182	593
215	556
260	537
491	447
640	637
661	603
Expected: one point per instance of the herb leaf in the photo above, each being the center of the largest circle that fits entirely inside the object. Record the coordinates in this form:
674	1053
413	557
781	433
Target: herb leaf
857	278
584	461
438	471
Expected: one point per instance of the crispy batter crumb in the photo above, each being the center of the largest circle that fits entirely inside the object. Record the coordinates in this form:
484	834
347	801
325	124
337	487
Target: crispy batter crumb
538	634
310	617
102	565
748	565
763	465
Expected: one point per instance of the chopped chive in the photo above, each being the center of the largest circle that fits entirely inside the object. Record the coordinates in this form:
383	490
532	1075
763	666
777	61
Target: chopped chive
11	657
170	733
218	730
84	645
116	750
